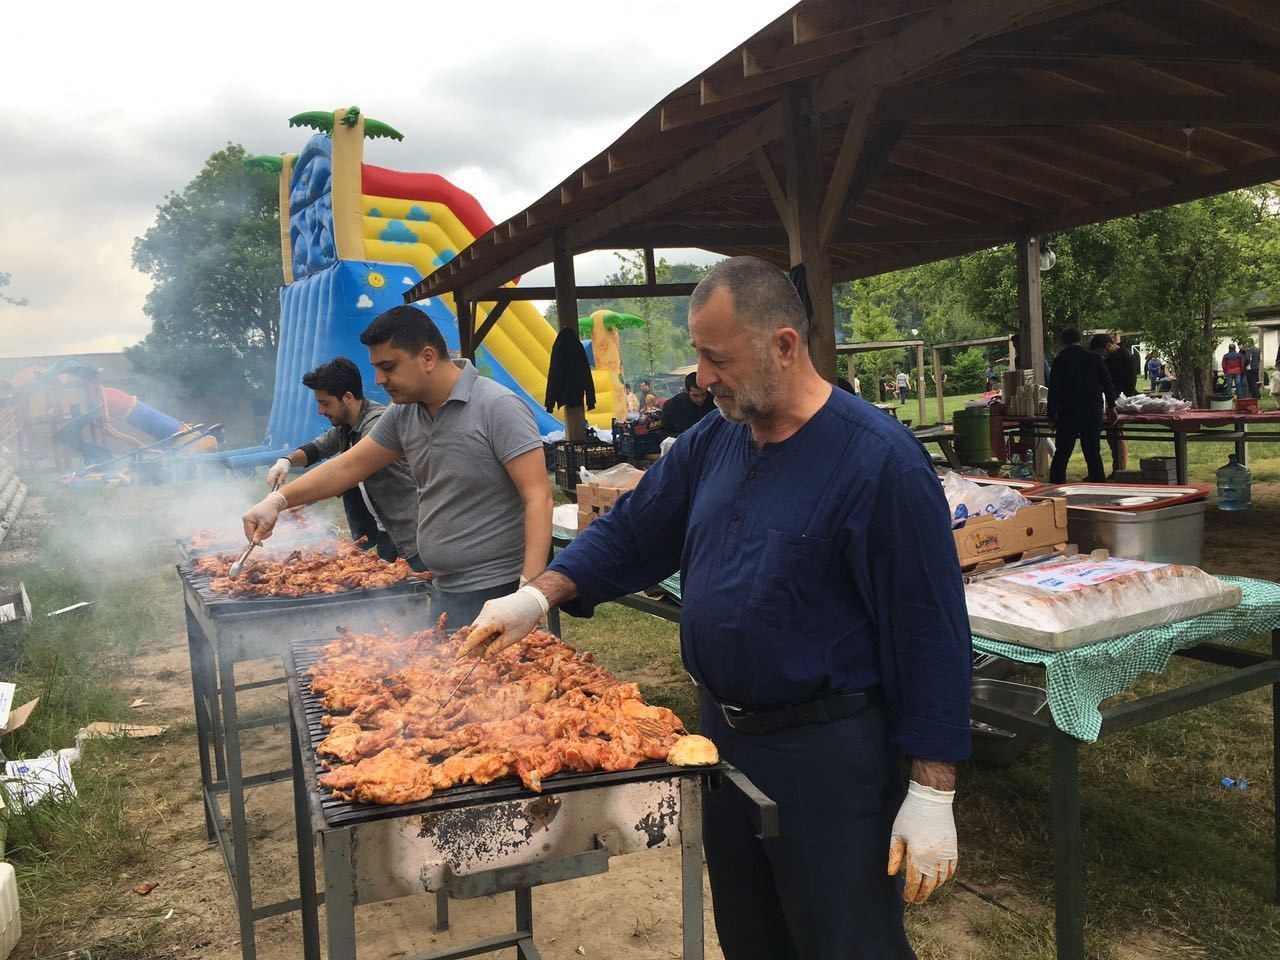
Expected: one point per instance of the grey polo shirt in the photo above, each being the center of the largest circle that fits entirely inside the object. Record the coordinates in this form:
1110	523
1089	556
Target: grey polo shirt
470	515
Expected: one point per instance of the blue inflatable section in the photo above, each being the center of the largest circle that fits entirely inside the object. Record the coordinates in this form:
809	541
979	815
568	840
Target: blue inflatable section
311	208
322	317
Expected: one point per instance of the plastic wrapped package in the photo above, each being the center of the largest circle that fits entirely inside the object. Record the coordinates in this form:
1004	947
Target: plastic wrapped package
968	499
1142	403
1075	601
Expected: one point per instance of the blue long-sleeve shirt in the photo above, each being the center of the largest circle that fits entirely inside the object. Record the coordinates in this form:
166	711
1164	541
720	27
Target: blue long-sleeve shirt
822	564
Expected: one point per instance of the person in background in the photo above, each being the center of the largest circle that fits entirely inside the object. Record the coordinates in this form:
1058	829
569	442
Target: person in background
1233	370
473	448
1154	369
633	402
800	520
686	408
383	508
650	404
857	385
643	389
991	373
903	384
1078	384
1124	380
1253	370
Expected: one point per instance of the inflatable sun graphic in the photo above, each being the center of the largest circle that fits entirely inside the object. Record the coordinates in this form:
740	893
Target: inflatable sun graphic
374	282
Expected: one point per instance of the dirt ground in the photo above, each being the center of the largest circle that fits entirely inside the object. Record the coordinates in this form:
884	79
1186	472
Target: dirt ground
633	911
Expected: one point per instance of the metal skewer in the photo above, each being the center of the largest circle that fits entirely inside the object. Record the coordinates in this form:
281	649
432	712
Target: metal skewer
459	686
238	567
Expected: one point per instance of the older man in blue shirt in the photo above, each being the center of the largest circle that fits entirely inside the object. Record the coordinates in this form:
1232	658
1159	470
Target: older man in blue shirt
823	621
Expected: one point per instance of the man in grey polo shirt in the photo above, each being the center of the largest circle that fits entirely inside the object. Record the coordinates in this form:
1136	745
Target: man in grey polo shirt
484	500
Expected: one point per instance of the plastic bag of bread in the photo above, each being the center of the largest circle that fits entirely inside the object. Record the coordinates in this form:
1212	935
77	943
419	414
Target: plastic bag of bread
1073	601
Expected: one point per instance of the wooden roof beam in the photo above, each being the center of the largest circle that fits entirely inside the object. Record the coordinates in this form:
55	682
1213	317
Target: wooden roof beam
1191	189
931	40
840	198
1034	54
1014	107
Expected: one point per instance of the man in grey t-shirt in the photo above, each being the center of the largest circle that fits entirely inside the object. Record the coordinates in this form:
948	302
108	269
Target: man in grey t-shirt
484	500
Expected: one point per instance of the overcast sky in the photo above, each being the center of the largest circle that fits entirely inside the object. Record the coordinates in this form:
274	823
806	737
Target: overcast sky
110	107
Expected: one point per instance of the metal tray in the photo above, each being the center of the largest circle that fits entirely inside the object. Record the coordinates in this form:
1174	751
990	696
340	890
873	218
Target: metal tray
1130	497
996	746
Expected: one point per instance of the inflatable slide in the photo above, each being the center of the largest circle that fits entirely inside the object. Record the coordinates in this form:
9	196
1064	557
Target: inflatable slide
354	238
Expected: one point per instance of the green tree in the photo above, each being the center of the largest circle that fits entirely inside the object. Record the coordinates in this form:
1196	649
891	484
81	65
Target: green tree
214	256
1195	267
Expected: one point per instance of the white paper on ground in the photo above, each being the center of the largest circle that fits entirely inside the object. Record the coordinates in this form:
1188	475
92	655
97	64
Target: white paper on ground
6	702
30	781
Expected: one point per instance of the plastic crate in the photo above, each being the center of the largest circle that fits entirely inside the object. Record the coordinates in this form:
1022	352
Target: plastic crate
633	445
570	455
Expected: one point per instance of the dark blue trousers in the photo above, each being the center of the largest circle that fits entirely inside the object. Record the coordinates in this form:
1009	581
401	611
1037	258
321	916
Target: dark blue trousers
464	607
819	891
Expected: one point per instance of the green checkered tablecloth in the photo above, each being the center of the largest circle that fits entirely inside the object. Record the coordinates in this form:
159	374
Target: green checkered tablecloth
1079	680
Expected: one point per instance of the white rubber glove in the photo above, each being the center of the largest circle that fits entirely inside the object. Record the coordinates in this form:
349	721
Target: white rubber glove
261	519
504	621
924	837
279	470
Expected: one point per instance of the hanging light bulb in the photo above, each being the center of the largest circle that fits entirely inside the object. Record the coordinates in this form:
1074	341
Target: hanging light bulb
1187	132
1047	257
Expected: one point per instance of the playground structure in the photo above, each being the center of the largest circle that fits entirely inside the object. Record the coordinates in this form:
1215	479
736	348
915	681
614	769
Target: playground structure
354	237
82	417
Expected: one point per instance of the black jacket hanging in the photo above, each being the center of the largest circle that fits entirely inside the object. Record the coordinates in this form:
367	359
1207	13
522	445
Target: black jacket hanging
569	376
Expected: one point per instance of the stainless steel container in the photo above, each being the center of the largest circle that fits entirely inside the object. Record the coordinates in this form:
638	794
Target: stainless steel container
1173	534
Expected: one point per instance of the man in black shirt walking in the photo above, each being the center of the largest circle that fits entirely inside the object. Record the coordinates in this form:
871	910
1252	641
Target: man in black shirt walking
1124	378
1078	382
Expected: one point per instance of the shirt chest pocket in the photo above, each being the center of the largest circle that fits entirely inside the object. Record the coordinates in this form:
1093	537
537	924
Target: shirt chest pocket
791	578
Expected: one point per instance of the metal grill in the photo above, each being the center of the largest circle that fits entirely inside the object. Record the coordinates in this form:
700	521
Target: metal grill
476	841
223	631
341	812
200	587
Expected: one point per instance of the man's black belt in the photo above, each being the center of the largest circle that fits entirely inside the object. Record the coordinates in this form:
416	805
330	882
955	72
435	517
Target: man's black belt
833	706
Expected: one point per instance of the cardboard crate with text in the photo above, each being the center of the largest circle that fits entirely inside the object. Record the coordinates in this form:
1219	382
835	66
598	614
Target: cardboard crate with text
596	499
1038	528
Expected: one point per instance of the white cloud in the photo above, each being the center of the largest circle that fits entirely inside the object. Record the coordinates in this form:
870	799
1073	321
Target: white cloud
495	96
364	303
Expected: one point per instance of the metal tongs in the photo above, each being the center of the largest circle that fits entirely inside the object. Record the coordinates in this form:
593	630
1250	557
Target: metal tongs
237	568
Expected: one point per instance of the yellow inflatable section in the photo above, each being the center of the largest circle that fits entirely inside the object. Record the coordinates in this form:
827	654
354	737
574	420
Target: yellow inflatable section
427	235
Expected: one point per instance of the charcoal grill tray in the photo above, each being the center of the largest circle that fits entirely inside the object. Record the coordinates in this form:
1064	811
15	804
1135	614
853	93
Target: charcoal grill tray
339	813
219	601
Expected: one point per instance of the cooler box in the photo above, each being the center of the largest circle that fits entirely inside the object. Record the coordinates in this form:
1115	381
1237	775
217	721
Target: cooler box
1135	521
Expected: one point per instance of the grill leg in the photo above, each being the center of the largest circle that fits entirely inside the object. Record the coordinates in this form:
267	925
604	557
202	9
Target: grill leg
204	700
306	854
235	794
525	950
691	865
442	912
339	894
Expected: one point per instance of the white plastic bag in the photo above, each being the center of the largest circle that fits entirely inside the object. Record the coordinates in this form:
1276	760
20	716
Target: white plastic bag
968	499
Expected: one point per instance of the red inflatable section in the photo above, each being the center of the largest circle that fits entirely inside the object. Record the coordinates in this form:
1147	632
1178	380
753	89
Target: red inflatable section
431	187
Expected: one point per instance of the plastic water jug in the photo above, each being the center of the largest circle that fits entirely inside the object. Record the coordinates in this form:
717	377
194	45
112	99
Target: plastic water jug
1235	483
10	921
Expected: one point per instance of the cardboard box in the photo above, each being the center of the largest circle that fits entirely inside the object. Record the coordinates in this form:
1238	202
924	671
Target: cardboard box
1038	528
594	501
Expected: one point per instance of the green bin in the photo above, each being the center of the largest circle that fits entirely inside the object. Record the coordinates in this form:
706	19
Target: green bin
972	428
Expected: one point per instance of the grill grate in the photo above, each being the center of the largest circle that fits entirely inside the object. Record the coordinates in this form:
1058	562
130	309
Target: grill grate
345	813
199	584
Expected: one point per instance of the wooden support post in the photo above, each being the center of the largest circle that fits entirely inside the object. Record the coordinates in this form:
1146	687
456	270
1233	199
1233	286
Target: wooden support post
806	188
1011	355
490	321
1031	325
650	268
466	325
575	418
920	389
937	383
